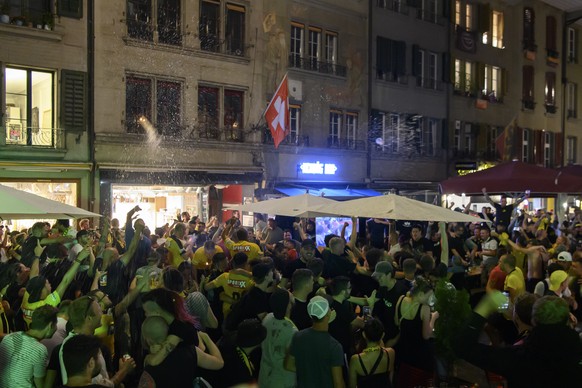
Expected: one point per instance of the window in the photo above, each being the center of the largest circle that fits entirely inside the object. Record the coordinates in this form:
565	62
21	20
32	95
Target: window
351	129
432	70
429	130
548	147
491	139
529	38
468	138
551	29
321	49
33	10
390	59
457	136
572	42
29	107
550	89
70	8
141	92
464	14
143	21
222	29
571	147
294	123
313	46
335	124
425	68
525	146
296	49
213	115
492	83
463	77
391	132
429	11
497	30
528	87
572	100
394	5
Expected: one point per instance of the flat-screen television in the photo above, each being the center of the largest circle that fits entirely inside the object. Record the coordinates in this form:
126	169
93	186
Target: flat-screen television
331	225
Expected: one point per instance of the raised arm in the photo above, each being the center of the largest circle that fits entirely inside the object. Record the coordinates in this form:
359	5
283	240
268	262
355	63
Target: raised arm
487	198
70	275
444	243
127	256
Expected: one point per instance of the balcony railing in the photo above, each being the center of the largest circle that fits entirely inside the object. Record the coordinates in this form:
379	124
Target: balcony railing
18	135
429	83
310	64
551	108
528	104
347	144
389	76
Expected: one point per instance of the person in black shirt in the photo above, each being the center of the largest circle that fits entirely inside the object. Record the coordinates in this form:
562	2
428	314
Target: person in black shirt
346	320
420	245
39	233
81	360
302	286
377	231
389	291
503	211
306	254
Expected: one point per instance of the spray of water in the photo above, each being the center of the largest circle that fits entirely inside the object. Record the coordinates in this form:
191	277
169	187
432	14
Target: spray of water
152	133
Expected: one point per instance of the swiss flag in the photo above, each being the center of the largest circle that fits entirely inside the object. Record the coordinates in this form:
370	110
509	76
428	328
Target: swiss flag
277	113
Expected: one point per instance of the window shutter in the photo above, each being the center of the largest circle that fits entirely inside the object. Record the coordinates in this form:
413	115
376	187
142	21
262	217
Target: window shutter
480	77
503	83
538	137
416	65
447	8
484	18
517	144
73	100
551	33
70	8
445	134
558	149
400	60
527	93
446	76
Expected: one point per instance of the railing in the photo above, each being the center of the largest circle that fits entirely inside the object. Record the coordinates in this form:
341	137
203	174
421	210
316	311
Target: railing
310	64
348	144
290	140
389	76
528	104
142	30
394	5
429	83
551	108
18	135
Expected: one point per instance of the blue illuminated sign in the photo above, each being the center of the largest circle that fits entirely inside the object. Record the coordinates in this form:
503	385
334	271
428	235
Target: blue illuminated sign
318	168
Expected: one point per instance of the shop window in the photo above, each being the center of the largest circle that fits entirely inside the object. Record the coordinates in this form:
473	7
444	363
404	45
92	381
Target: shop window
29	97
144	17
214	115
529	37
155	101
222	29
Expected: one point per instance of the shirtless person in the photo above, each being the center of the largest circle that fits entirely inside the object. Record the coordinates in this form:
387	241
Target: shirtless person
535	258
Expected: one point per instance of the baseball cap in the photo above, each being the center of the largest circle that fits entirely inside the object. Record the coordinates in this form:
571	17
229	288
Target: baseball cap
35	287
382	268
557	278
564	256
318	307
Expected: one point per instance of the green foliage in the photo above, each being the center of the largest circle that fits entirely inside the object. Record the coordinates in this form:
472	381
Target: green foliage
454	310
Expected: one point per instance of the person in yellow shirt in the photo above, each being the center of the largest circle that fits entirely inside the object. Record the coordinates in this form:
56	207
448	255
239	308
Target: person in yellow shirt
514	281
203	255
177	253
252	250
234	283
39	291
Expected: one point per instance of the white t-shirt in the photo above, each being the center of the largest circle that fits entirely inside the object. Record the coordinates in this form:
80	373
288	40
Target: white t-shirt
279	335
22	358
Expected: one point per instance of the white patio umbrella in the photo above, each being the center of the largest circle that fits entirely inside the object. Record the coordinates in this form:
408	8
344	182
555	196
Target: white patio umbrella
18	205
304	205
395	207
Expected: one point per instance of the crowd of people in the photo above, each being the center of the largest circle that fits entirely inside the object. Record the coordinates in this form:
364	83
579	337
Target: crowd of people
210	304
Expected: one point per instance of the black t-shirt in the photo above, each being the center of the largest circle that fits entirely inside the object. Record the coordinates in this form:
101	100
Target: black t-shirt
458	244
179	369
27	255
115	282
292	266
299	315
253	303
385	307
341	327
186	331
334	265
503	214
236	370
421	246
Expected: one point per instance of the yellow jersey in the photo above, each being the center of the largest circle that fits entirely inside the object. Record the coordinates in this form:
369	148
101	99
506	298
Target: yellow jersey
252	250
200	260
52	299
235	283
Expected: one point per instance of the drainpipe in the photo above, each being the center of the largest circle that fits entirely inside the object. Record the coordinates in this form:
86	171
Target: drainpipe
369	102
91	99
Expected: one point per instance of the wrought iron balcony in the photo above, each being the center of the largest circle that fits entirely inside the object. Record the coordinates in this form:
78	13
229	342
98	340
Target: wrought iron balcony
311	64
18	135
348	144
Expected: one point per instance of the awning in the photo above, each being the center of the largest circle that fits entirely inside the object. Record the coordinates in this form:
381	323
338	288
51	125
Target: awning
347	193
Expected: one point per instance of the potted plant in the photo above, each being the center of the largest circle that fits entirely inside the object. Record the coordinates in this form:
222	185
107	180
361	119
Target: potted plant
19	20
5	12
48	21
